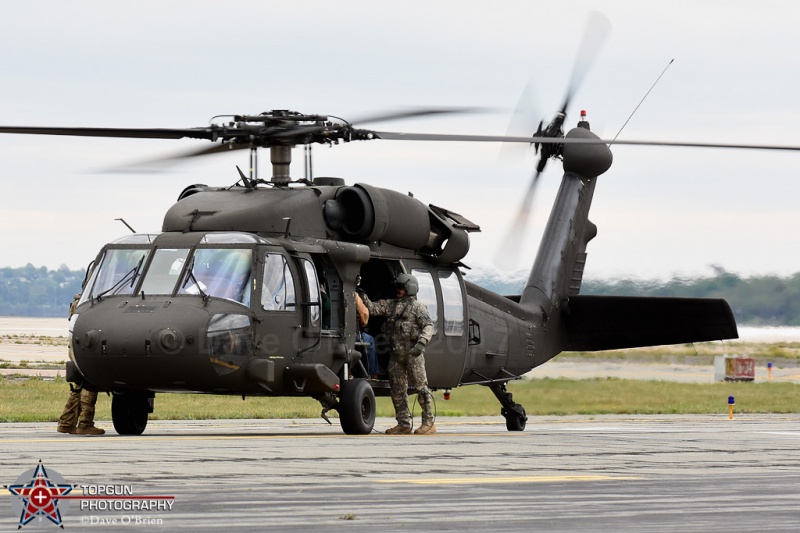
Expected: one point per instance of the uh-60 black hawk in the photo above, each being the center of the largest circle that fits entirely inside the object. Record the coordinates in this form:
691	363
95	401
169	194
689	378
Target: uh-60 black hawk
231	297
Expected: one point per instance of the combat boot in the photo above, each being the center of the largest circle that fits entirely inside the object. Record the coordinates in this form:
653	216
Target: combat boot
399	430
66	429
427	428
89	430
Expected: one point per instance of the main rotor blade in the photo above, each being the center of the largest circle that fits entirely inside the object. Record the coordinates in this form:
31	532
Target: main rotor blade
161	164
395	136
134	133
213	133
700	145
418	112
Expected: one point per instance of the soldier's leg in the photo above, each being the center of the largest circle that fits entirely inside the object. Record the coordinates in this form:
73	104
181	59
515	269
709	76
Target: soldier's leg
419	380
72	409
399	391
88	400
86	421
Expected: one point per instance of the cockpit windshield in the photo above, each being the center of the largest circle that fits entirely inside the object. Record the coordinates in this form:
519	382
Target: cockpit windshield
220	272
212	269
164	270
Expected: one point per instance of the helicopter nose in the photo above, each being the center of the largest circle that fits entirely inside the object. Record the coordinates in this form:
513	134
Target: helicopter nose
118	344
164	345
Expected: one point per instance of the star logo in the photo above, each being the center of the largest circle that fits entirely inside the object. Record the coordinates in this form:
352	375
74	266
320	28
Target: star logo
38	494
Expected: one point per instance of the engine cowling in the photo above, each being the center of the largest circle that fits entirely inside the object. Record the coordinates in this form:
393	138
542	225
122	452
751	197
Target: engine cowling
363	213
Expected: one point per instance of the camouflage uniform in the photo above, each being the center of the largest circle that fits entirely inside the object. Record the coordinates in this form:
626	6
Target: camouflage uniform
407	322
72	410
78	415
78	411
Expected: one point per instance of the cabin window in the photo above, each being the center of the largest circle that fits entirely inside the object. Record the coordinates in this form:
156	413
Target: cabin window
220	272
164	270
118	272
453	302
278	289
427	294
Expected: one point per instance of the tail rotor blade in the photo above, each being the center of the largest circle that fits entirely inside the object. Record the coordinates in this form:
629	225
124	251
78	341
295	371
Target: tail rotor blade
597	31
515	237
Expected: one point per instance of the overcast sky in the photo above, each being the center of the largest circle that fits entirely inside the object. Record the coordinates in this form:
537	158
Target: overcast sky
660	211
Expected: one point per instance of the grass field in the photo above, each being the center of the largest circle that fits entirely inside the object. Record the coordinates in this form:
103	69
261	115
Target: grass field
36	400
25	399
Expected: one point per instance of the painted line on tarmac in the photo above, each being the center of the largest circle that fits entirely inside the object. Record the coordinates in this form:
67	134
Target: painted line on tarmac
511	479
124	438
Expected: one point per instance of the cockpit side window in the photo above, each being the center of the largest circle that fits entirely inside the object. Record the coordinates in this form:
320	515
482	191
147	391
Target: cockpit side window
118	272
278	288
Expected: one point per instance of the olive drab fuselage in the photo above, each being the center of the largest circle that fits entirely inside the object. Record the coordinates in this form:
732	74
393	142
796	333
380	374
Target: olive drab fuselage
250	291
227	298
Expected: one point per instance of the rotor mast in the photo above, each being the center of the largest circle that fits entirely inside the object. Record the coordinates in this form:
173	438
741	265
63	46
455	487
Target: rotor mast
280	131
280	156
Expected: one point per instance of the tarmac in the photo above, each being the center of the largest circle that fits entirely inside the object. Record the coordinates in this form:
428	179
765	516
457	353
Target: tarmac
574	473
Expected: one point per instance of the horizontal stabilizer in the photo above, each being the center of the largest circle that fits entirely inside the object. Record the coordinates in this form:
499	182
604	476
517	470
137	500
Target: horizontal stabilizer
613	322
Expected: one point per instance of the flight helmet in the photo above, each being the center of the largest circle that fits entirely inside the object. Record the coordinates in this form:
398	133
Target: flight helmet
408	282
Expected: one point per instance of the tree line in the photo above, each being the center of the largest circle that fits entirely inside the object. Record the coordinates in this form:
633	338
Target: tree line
758	300
38	292
755	301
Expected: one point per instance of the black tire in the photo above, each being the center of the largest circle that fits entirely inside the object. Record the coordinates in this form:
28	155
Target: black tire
515	421
129	413
356	407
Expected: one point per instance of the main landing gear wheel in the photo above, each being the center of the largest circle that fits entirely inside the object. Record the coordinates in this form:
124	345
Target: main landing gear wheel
513	412
129	412
356	407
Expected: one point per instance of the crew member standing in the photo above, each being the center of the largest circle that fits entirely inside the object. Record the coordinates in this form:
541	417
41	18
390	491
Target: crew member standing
409	328
78	415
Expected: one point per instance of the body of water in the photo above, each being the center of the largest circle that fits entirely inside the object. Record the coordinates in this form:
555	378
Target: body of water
57	327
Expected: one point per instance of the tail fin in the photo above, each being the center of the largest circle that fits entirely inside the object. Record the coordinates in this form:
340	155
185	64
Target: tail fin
577	322
558	269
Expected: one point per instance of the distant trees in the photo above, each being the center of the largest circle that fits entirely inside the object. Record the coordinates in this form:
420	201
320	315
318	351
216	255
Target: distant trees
757	300
31	291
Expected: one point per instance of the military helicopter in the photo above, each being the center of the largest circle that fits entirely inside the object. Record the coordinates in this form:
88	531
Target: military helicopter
229	297
249	288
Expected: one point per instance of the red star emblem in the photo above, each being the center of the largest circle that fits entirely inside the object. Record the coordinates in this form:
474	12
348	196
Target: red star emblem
40	497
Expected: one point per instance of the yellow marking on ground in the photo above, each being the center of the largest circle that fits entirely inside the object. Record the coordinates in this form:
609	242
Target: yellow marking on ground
119	438
127	438
511	479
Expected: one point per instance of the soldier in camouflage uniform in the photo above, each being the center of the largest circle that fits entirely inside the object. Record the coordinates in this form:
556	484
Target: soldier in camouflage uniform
78	415
409	328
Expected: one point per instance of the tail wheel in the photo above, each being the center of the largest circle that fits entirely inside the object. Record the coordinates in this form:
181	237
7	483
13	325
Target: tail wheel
129	412
356	407
515	421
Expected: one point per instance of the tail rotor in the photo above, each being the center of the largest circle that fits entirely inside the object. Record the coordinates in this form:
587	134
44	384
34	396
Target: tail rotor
597	30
